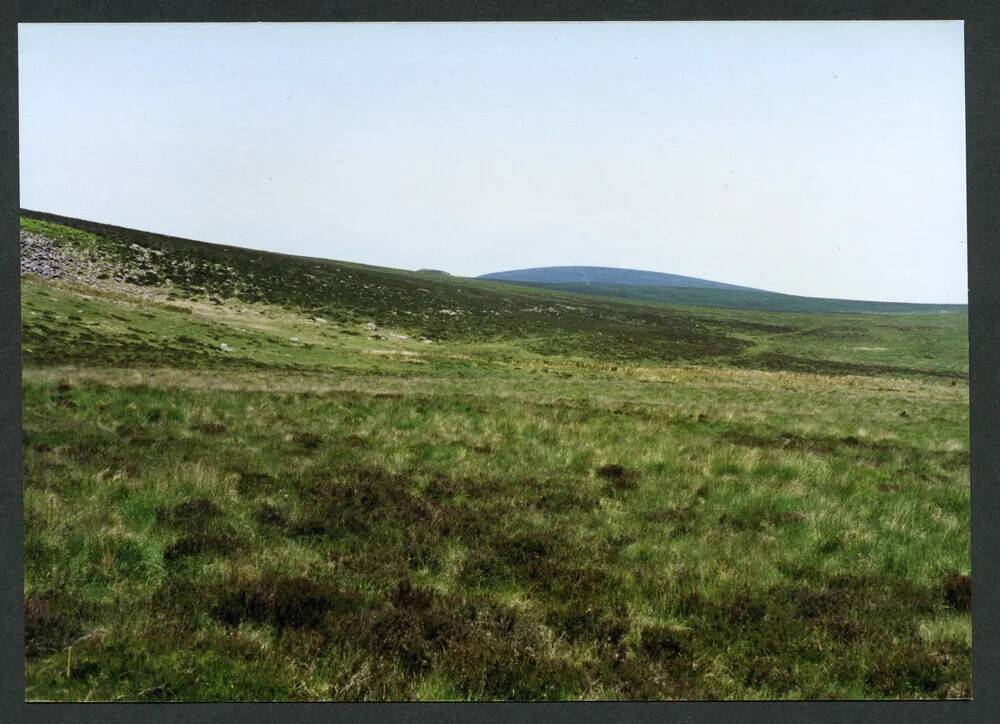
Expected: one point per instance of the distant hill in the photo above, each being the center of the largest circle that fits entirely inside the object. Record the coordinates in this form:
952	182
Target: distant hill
645	286
604	275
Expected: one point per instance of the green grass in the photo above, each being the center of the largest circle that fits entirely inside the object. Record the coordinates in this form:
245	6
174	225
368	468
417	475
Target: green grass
496	515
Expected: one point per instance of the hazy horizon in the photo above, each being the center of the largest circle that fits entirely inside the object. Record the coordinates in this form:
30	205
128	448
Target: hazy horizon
819	159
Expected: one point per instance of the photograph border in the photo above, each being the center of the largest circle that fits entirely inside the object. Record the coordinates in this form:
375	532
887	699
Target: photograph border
982	51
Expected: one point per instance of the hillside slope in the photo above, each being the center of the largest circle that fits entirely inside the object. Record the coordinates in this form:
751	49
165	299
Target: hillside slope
424	304
742	298
468	311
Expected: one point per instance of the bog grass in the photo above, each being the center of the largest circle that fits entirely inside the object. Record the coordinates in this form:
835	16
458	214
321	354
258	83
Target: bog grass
351	515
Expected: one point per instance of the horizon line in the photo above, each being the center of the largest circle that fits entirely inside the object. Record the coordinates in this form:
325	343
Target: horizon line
479	277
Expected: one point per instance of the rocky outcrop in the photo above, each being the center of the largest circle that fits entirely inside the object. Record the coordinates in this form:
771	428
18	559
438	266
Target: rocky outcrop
45	258
48	259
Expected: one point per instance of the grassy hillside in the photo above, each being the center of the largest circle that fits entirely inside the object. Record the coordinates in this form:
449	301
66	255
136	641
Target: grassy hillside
743	299
258	477
425	304
430	305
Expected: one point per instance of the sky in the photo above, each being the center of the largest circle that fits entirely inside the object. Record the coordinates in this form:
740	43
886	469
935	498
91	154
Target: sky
815	158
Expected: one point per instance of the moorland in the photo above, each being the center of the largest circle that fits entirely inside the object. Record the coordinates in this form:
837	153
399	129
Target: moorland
252	476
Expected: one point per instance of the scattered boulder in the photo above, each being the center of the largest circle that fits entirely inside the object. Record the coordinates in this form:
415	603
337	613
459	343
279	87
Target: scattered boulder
293	339
225	347
371	326
50	259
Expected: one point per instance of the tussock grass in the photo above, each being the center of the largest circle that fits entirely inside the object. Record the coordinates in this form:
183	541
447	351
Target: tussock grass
323	519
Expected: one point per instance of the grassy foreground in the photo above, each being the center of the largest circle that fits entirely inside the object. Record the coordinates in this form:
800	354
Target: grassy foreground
508	510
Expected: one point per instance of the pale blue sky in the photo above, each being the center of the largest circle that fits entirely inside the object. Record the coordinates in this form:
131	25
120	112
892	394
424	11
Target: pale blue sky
821	158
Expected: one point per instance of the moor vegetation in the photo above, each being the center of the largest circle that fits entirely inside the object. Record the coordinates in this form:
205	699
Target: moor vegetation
258	477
